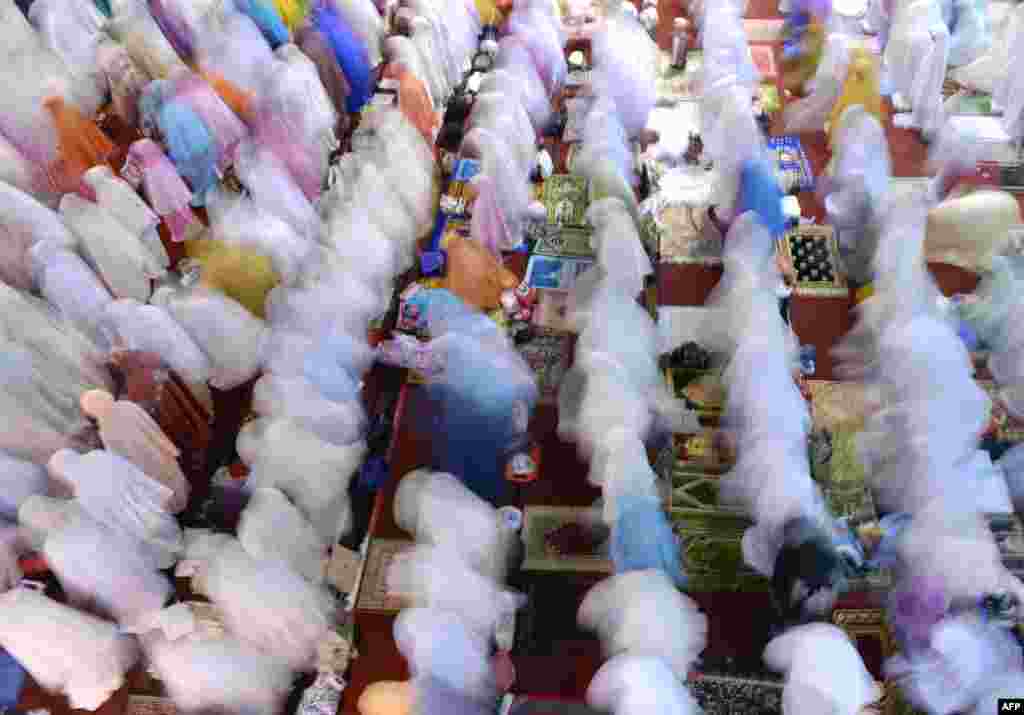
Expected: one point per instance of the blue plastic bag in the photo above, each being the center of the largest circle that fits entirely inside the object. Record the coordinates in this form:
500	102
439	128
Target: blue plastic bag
760	192
642	539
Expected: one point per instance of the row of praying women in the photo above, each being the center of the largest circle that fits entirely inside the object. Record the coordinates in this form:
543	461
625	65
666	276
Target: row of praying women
922	41
218	88
283	285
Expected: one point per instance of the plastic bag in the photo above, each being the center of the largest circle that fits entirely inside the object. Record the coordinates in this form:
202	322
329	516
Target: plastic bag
760	192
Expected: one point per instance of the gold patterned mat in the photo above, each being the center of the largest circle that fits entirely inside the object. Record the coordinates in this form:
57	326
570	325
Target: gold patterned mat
373	591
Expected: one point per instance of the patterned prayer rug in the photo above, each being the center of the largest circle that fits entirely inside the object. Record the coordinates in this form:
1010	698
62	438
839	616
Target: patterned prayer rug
838	412
528	705
564	539
728	695
547	354
711	551
147	705
682	232
373	590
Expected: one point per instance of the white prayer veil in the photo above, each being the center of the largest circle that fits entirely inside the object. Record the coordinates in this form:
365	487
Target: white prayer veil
617	244
438	578
126	585
19	480
221	673
625	63
824	671
65	650
273	530
635	684
313	473
642	613
296	399
438	644
436	508
811	112
268	605
231	336
130	325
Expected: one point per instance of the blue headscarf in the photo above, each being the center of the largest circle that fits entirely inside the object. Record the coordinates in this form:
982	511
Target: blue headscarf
190	144
350	51
267	19
330	367
12	680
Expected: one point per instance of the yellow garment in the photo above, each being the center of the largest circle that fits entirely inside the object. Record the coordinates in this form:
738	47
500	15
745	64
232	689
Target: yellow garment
293	12
489	12
239	273
860	87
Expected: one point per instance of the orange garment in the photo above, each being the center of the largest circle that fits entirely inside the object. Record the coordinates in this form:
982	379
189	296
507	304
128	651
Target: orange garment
474	274
238	100
413	101
81	145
